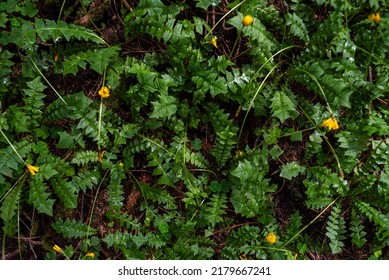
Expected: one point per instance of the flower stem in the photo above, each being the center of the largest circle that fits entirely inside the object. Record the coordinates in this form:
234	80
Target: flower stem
12	146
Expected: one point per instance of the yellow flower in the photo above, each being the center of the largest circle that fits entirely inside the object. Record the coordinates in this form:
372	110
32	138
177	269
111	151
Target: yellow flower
214	41
32	169
121	164
238	154
247	20
271	238
91	255
243	257
374	17
104	92
58	249
56	57
100	156
331	123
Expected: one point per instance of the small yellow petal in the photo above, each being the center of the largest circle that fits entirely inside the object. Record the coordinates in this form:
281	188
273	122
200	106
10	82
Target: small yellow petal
91	255
58	249
247	20
214	42
32	169
271	238
374	17
104	92
331	123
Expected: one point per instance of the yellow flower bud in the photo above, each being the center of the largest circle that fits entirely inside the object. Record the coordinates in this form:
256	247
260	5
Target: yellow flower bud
248	20
32	169
375	17
331	123
271	238
104	92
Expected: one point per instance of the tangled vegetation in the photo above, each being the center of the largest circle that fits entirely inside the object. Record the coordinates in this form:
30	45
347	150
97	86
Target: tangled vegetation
206	129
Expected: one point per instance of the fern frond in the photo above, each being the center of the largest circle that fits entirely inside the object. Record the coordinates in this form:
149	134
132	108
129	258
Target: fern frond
73	229
357	232
39	197
65	192
215	208
51	30
85	180
115	190
225	141
85	157
34	98
373	214
8	209
9	161
336	229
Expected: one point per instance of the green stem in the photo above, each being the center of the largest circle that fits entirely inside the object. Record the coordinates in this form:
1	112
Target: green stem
61	10
223	17
47	81
253	99
320	88
310	223
12	146
99	125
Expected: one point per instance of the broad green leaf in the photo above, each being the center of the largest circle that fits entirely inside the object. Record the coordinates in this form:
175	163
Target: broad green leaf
100	58
165	107
204	4
282	107
291	170
73	62
297	26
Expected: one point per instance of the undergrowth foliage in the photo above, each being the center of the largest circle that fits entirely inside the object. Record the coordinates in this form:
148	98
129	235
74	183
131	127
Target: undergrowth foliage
208	129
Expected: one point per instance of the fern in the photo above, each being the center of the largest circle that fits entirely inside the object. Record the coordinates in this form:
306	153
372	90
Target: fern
51	30
40	198
85	157
98	60
225	141
9	162
282	106
85	180
215	208
357	232
78	106
34	98
73	229
5	69
336	229
115	191
251	195
88	123
165	107
8	209
322	185
65	192
161	196
297	27
373	215
196	159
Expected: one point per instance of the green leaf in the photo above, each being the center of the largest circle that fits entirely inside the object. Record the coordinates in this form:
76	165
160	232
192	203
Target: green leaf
291	170
297	26
10	204
39	197
3	20
165	107
282	106
99	59
73	62
73	229
204	4
66	141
